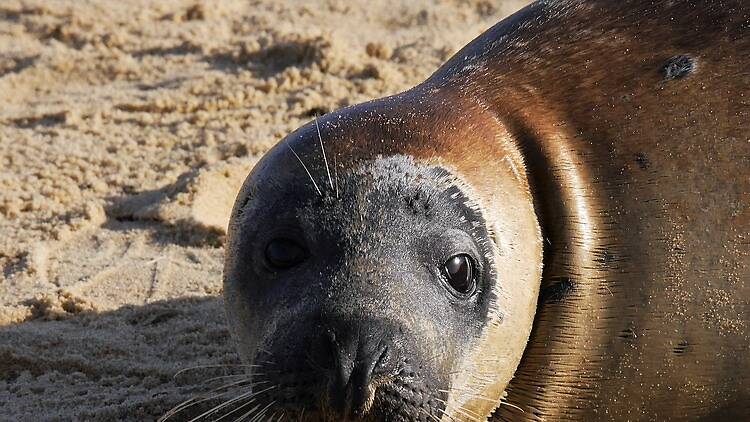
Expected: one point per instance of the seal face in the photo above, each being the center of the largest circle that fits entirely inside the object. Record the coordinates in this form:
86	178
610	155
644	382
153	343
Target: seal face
553	226
391	280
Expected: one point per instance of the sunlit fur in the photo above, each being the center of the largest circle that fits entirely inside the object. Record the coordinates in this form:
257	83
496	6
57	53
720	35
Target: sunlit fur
477	388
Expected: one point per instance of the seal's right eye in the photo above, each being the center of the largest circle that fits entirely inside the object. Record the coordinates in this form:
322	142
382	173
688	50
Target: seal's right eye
284	253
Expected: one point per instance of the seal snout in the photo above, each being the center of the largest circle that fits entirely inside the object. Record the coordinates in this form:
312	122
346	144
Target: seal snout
360	363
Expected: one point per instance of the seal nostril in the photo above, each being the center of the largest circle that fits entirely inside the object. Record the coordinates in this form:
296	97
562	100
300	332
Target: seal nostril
381	364
360	360
326	351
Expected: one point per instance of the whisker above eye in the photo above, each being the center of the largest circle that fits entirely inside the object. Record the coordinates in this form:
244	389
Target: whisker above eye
323	150
306	170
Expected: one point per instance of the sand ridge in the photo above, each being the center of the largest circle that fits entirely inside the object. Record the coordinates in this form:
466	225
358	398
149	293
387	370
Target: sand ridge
126	129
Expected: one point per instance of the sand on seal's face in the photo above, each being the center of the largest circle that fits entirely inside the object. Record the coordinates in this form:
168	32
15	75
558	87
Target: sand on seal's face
125	130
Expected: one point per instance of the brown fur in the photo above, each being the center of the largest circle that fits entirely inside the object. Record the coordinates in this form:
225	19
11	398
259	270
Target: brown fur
643	188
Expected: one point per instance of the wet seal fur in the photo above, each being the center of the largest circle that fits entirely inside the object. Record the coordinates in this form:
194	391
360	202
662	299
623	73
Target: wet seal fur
593	158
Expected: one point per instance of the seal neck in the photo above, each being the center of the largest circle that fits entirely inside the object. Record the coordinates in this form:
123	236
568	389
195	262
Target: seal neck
565	202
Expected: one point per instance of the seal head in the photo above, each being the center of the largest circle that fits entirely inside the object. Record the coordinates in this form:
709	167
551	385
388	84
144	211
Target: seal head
362	290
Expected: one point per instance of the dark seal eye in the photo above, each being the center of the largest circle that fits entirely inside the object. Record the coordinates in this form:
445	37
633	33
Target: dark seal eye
284	253
459	271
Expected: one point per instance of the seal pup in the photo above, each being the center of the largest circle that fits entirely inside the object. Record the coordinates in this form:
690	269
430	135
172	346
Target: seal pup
554	226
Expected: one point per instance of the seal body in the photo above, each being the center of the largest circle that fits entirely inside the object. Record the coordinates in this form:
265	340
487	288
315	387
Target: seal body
593	159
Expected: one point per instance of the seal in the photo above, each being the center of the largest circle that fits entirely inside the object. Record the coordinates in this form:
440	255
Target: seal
554	226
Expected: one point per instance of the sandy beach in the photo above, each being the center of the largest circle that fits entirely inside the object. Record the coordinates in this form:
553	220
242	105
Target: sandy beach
126	129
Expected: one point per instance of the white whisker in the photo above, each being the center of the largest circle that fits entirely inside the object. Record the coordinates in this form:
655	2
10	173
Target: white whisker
336	175
325	159
195	401
247	395
306	170
193	368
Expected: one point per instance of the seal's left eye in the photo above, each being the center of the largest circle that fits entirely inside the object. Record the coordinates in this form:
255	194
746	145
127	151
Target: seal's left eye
284	253
459	271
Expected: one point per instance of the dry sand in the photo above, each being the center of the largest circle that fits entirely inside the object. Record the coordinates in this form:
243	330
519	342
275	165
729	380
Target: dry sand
126	128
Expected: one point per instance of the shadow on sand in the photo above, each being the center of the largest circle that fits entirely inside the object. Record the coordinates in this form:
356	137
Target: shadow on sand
117	365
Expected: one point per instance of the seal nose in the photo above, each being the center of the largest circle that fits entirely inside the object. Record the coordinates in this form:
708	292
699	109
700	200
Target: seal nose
360	364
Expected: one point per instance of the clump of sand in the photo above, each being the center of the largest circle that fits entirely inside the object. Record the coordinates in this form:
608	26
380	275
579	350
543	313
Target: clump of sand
125	131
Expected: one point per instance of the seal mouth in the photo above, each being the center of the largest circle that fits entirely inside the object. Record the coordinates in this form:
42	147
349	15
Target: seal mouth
389	389
362	365
366	406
